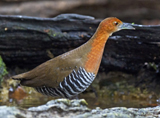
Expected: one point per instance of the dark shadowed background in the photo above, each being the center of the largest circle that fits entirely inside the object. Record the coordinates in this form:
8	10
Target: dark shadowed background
138	11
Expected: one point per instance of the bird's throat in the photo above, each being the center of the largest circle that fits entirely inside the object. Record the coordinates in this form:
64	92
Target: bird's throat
94	57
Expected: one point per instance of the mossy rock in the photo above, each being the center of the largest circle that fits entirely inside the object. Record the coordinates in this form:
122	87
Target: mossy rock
3	70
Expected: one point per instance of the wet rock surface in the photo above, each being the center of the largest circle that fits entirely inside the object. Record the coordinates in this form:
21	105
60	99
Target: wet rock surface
77	109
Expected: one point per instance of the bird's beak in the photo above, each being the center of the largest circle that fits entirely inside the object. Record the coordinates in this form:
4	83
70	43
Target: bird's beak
125	26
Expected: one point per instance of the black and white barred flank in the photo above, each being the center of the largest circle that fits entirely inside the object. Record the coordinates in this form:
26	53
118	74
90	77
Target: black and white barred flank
73	84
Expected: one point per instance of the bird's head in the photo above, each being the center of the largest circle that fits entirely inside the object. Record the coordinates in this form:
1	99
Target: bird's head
112	24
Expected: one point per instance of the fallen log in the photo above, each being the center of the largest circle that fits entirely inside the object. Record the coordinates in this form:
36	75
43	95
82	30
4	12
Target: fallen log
24	41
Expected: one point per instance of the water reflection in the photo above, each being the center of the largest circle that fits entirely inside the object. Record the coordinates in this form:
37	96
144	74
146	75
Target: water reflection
111	93
36	99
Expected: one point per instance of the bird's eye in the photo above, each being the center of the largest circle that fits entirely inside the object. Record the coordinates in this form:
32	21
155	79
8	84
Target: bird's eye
115	23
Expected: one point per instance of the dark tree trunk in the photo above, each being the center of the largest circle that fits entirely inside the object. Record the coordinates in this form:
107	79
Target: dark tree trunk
24	41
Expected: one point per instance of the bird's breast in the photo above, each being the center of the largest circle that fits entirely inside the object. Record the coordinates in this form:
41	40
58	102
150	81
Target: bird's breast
94	57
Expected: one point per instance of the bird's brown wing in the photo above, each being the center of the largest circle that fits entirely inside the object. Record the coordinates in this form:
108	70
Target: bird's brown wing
50	73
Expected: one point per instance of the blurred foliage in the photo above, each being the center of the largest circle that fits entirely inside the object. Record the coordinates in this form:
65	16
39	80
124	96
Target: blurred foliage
154	66
3	70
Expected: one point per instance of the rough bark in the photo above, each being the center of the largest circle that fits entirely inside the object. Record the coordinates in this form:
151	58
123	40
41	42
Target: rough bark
26	40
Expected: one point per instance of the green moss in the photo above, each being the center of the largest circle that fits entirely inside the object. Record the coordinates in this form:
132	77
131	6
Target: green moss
83	102
65	101
153	65
19	28
3	70
54	34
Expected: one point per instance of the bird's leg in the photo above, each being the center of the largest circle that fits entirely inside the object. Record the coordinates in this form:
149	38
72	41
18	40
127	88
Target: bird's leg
94	91
74	97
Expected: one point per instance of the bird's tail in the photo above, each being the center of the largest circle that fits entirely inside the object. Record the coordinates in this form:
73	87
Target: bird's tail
19	76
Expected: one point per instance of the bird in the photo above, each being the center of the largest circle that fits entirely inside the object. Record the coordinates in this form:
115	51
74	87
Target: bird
71	73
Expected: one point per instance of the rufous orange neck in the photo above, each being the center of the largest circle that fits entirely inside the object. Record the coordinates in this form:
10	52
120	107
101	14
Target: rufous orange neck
94	57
